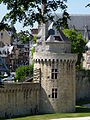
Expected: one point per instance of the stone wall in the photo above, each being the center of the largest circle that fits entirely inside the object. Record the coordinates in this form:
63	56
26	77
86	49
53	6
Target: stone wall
64	83
82	85
19	99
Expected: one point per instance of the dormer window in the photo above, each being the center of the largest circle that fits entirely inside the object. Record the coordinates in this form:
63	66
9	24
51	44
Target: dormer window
8	52
1	35
57	38
5	52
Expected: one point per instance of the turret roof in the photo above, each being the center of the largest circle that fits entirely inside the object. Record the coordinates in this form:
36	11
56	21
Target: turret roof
88	44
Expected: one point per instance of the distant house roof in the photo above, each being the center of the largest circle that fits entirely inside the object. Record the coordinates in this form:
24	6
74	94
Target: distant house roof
79	21
6	50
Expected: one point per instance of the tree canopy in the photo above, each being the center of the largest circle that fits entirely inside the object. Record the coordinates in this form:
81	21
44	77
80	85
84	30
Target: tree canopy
23	36
30	11
24	71
77	44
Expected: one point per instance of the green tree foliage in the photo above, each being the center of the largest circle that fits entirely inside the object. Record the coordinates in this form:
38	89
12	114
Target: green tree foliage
34	42
29	12
34	39
77	44
24	71
33	50
24	36
2	26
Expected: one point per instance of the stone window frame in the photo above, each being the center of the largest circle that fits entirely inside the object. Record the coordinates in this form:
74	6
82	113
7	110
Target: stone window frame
54	93
54	74
54	70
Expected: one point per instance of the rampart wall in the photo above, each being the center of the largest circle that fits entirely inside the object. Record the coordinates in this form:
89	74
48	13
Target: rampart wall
82	85
18	99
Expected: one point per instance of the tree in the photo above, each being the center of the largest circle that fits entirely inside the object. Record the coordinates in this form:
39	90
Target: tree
30	11
23	36
24	71
77	44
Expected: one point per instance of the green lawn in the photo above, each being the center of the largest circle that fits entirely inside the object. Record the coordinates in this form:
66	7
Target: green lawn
80	112
51	116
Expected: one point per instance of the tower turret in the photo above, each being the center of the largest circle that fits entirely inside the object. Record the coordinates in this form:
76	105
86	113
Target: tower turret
54	68
57	72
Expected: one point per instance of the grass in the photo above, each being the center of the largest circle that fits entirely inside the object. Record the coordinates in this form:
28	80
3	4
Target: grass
80	112
52	116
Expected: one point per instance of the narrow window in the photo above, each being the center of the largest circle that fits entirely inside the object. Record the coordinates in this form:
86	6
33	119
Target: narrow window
54	70
54	93
54	73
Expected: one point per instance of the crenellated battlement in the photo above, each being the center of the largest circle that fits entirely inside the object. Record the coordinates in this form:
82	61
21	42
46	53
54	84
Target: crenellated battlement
20	87
54	57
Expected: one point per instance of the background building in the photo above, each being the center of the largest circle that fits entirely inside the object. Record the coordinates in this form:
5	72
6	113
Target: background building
12	50
81	23
5	37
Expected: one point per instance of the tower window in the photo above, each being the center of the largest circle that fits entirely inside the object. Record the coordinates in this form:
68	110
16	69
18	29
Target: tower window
54	73
54	93
54	70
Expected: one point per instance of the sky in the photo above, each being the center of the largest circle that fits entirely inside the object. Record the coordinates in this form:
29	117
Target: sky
74	7
78	6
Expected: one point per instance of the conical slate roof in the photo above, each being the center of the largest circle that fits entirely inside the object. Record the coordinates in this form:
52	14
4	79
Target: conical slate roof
52	40
55	35
88	44
61	37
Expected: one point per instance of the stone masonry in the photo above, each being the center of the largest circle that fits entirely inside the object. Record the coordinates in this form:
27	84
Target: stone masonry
57	68
53	87
65	82
18	99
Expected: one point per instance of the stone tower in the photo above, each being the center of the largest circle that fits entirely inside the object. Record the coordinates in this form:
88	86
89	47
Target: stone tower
56	66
